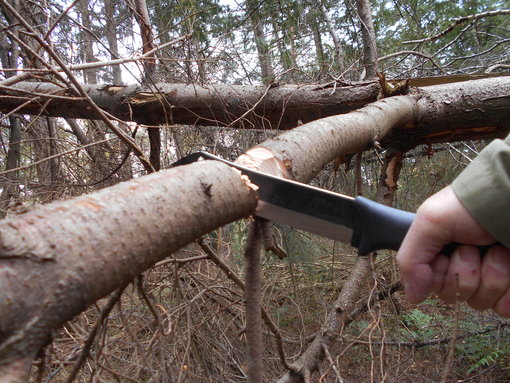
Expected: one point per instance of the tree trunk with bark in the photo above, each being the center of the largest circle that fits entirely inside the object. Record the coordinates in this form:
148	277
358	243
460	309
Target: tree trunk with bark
10	187
237	106
368	35
339	52
142	16
111	36
266	67
87	48
279	107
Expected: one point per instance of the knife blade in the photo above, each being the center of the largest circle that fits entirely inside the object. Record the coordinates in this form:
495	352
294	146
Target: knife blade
366	225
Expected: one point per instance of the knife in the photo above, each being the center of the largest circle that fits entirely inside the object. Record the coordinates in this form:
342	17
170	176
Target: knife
366	225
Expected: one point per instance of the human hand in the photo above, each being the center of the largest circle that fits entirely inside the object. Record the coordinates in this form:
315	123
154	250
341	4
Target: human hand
483	282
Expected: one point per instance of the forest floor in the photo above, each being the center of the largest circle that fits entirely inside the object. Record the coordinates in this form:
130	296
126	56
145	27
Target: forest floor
184	323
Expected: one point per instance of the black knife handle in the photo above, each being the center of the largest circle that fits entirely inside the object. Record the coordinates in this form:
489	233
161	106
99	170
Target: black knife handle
379	226
383	227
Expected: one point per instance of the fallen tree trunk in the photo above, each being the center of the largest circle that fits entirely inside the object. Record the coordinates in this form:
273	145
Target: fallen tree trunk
239	106
57	259
446	112
443	113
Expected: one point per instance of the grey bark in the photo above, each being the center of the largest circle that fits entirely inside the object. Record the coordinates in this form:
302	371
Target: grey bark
434	114
10	190
63	256
339	52
111	36
143	19
314	23
142	16
10	182
253	292
87	48
237	106
368	36
52	136
281	107
266	67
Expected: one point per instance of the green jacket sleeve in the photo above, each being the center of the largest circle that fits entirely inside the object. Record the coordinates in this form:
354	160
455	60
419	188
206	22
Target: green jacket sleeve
484	189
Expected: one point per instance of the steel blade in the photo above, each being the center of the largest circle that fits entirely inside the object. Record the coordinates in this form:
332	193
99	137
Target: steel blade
298	205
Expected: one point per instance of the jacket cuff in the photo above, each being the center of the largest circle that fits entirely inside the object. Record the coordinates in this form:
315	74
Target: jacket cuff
484	189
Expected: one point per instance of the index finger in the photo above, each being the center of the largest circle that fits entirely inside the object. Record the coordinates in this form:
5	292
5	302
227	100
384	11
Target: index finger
419	249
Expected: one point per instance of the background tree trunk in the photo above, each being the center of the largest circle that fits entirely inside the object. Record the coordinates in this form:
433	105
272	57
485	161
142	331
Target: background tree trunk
368	34
112	37
266	67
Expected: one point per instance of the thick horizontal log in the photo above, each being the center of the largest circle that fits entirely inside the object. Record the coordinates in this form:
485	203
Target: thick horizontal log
448	112
238	106
477	109
61	257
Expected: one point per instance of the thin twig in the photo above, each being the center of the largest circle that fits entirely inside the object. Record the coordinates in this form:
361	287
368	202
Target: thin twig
458	21
114	298
453	341
56	156
239	282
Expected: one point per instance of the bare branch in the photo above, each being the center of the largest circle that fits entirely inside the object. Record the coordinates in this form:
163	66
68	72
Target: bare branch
79	89
458	21
91	65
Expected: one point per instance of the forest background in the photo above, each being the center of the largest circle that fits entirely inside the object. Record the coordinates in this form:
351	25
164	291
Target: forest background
184	320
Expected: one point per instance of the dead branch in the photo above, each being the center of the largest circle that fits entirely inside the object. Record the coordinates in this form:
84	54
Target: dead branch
239	282
458	21
79	89
105	311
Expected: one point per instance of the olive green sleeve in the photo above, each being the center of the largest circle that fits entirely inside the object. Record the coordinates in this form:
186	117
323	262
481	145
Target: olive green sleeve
484	189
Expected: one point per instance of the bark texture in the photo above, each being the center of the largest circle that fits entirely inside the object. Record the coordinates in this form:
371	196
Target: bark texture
433	114
368	35
142	16
279	107
447	112
61	257
264	54
252	294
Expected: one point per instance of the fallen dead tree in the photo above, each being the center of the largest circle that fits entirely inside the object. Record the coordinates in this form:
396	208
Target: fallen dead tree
57	259
237	106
